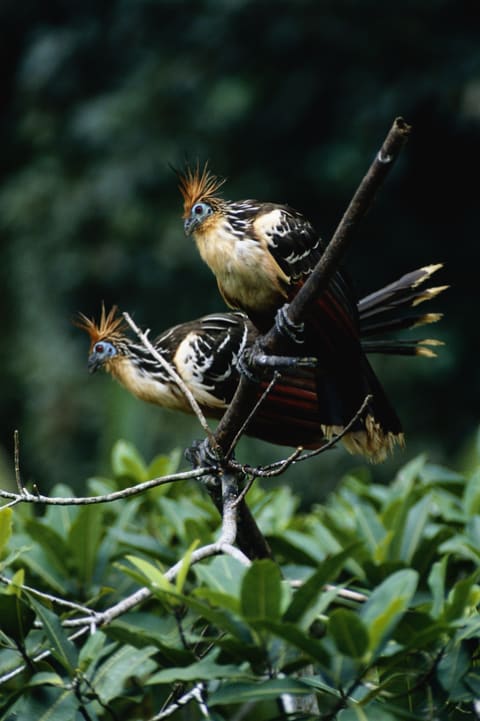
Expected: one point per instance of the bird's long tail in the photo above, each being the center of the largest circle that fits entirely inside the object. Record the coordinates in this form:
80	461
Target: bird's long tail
393	308
321	407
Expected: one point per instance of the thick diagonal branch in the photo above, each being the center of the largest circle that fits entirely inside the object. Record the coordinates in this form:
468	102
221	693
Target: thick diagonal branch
274	341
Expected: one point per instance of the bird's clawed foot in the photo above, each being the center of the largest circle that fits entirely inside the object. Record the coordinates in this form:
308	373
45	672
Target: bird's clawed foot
202	455
256	364
293	331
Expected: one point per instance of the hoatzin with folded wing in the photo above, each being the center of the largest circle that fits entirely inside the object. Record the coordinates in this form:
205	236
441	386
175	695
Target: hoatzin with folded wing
205	352
261	254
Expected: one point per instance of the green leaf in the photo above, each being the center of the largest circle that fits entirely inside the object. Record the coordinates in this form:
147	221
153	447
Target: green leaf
51	542
61	518
163	465
309	591
154	577
349	633
6	515
185	567
219	618
63	649
387	604
236	693
44	703
111	676
223	574
436	583
41	564
46	678
452	668
91	649
83	541
205	670
459	597
415	523
471	498
127	462
16	582
410	472
261	592
297	638
16	618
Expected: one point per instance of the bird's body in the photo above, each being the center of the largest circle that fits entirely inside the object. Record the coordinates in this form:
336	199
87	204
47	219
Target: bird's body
205	353
261	255
239	245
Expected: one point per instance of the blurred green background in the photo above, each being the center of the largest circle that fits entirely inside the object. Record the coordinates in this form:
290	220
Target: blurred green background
290	101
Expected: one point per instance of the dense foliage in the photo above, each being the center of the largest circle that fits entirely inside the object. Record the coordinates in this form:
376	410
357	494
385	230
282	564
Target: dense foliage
289	100
406	647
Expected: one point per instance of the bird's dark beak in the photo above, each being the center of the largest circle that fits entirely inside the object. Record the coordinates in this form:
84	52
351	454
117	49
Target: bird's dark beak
94	362
189	225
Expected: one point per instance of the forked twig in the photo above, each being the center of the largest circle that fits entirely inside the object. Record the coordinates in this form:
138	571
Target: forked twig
277	468
27	497
275	377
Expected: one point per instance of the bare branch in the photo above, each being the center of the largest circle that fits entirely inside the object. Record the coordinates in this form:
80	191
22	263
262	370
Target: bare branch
274	341
357	208
46	596
275	377
195	694
40	657
26	497
16	451
224	544
277	468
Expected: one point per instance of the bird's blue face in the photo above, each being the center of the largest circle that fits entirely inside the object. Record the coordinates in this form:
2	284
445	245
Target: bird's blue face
101	353
198	213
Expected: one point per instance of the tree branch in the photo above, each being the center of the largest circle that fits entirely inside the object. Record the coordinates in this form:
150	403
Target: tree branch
26	497
274	341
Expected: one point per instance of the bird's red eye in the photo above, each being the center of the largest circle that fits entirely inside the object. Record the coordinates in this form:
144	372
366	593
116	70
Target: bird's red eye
99	348
198	209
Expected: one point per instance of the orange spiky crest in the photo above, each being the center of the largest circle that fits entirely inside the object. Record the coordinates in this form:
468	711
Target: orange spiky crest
110	326
198	185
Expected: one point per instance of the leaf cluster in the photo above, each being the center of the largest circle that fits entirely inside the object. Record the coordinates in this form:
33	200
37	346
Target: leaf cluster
371	606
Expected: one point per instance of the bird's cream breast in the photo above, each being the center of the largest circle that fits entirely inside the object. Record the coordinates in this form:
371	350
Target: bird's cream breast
146	388
246	272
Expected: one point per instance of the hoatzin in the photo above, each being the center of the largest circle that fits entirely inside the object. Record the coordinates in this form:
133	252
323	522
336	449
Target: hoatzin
205	354
261	254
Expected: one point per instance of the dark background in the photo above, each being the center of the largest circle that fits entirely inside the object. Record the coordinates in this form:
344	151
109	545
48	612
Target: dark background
290	101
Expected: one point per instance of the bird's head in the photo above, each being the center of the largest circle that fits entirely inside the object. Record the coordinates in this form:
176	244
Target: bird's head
106	337
101	352
200	200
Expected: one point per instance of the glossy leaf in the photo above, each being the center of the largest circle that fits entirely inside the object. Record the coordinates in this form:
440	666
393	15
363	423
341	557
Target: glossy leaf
261	592
5	527
127	463
63	649
239	693
154	577
387	604
206	669
126	662
349	633
312	588
84	539
297	638
16	617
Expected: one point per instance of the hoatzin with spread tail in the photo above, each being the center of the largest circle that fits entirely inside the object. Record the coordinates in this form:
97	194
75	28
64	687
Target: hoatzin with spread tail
205	353
261	254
